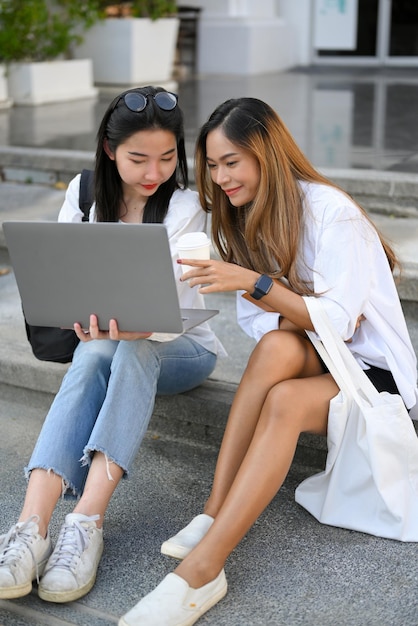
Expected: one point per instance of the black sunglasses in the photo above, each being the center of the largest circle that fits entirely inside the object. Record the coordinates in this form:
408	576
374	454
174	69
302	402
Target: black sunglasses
137	102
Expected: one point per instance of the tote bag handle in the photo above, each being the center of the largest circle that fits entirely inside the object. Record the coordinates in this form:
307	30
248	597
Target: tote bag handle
339	360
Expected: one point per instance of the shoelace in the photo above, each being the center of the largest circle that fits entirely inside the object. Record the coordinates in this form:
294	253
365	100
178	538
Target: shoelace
16	541
72	541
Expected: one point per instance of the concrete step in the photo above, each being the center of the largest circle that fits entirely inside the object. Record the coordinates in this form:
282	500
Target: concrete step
386	192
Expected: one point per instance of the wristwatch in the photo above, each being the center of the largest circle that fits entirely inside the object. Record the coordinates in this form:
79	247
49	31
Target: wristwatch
262	287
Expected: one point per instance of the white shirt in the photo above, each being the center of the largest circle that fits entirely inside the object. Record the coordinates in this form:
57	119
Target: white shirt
342	255
184	215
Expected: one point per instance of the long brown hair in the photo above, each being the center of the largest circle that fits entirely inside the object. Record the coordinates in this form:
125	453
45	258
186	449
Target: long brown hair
275	217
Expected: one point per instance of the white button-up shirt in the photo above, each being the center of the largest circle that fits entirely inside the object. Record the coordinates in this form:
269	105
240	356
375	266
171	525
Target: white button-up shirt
342	256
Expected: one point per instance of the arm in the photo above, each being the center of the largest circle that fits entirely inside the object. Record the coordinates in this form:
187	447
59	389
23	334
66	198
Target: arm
339	248
221	276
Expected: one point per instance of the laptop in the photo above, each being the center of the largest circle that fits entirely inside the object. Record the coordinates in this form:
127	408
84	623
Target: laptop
67	271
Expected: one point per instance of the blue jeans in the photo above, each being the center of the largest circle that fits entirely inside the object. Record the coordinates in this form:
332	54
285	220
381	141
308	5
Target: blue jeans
106	401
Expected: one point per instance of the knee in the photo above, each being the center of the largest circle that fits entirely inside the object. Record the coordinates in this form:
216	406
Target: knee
279	347
135	355
140	349
93	355
281	405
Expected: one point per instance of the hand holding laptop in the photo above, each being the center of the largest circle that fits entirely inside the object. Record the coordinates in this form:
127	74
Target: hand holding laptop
114	333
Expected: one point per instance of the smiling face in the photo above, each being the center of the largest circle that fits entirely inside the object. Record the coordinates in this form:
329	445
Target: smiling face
235	170
146	160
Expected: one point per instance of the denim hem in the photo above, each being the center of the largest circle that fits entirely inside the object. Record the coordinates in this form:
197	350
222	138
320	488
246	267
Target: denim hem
87	458
66	485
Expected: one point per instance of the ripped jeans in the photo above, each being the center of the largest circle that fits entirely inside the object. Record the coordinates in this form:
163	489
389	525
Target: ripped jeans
106	401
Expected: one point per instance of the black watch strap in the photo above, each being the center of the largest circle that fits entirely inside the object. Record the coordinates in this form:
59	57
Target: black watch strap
262	287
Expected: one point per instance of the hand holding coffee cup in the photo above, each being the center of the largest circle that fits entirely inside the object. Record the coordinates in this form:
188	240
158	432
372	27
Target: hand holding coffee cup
193	246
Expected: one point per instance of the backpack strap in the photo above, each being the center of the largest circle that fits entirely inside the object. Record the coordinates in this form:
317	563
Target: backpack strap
86	197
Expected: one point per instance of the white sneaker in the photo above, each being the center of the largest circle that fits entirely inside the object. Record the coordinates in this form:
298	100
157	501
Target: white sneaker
71	569
181	544
174	603
23	554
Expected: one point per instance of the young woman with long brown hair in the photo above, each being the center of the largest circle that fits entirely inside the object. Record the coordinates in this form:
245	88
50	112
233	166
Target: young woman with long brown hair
283	232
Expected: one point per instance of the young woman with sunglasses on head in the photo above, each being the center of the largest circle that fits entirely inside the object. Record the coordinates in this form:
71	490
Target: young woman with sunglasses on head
98	419
283	232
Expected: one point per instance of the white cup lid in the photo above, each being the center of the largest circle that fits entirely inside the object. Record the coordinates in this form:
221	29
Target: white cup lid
191	240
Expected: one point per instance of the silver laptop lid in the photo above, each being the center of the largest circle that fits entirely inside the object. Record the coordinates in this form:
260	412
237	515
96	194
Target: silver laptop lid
67	271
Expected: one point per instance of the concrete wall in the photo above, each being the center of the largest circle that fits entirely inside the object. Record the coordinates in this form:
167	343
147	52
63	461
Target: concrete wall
245	37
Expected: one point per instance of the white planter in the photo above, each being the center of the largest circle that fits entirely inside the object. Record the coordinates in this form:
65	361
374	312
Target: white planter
51	81
245	46
5	101
131	51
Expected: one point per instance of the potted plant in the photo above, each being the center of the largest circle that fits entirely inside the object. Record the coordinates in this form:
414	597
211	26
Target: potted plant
135	44
35	43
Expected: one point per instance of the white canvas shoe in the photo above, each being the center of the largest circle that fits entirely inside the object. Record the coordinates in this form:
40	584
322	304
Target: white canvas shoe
72	567
181	544
174	603
23	555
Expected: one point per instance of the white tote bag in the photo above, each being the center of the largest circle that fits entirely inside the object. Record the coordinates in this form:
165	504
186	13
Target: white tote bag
370	482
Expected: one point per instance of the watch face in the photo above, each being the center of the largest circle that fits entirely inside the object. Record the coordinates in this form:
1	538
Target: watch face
262	287
264	284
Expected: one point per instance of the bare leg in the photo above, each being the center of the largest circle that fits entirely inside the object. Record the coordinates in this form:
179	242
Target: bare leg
42	493
102	480
45	488
279	356
290	407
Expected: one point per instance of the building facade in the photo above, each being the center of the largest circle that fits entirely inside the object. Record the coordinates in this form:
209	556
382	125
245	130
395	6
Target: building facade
259	36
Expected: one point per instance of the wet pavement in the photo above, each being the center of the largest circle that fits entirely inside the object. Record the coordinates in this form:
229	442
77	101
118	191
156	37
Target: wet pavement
341	117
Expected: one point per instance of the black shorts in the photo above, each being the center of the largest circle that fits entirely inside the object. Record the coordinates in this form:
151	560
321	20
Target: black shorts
381	379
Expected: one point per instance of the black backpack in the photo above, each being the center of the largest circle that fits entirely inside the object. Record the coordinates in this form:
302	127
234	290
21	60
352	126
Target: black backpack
58	344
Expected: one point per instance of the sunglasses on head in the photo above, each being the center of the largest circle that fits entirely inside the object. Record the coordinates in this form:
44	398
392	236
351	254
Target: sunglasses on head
137	102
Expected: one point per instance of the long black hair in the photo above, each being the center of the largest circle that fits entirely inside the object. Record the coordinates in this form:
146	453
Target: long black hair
117	125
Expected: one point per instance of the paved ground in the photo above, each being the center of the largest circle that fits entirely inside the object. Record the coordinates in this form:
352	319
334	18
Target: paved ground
288	571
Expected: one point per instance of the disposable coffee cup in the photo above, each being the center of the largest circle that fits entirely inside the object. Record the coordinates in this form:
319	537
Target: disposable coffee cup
193	246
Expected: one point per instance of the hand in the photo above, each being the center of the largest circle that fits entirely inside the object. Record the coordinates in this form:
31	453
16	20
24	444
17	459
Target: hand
113	333
358	322
218	275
